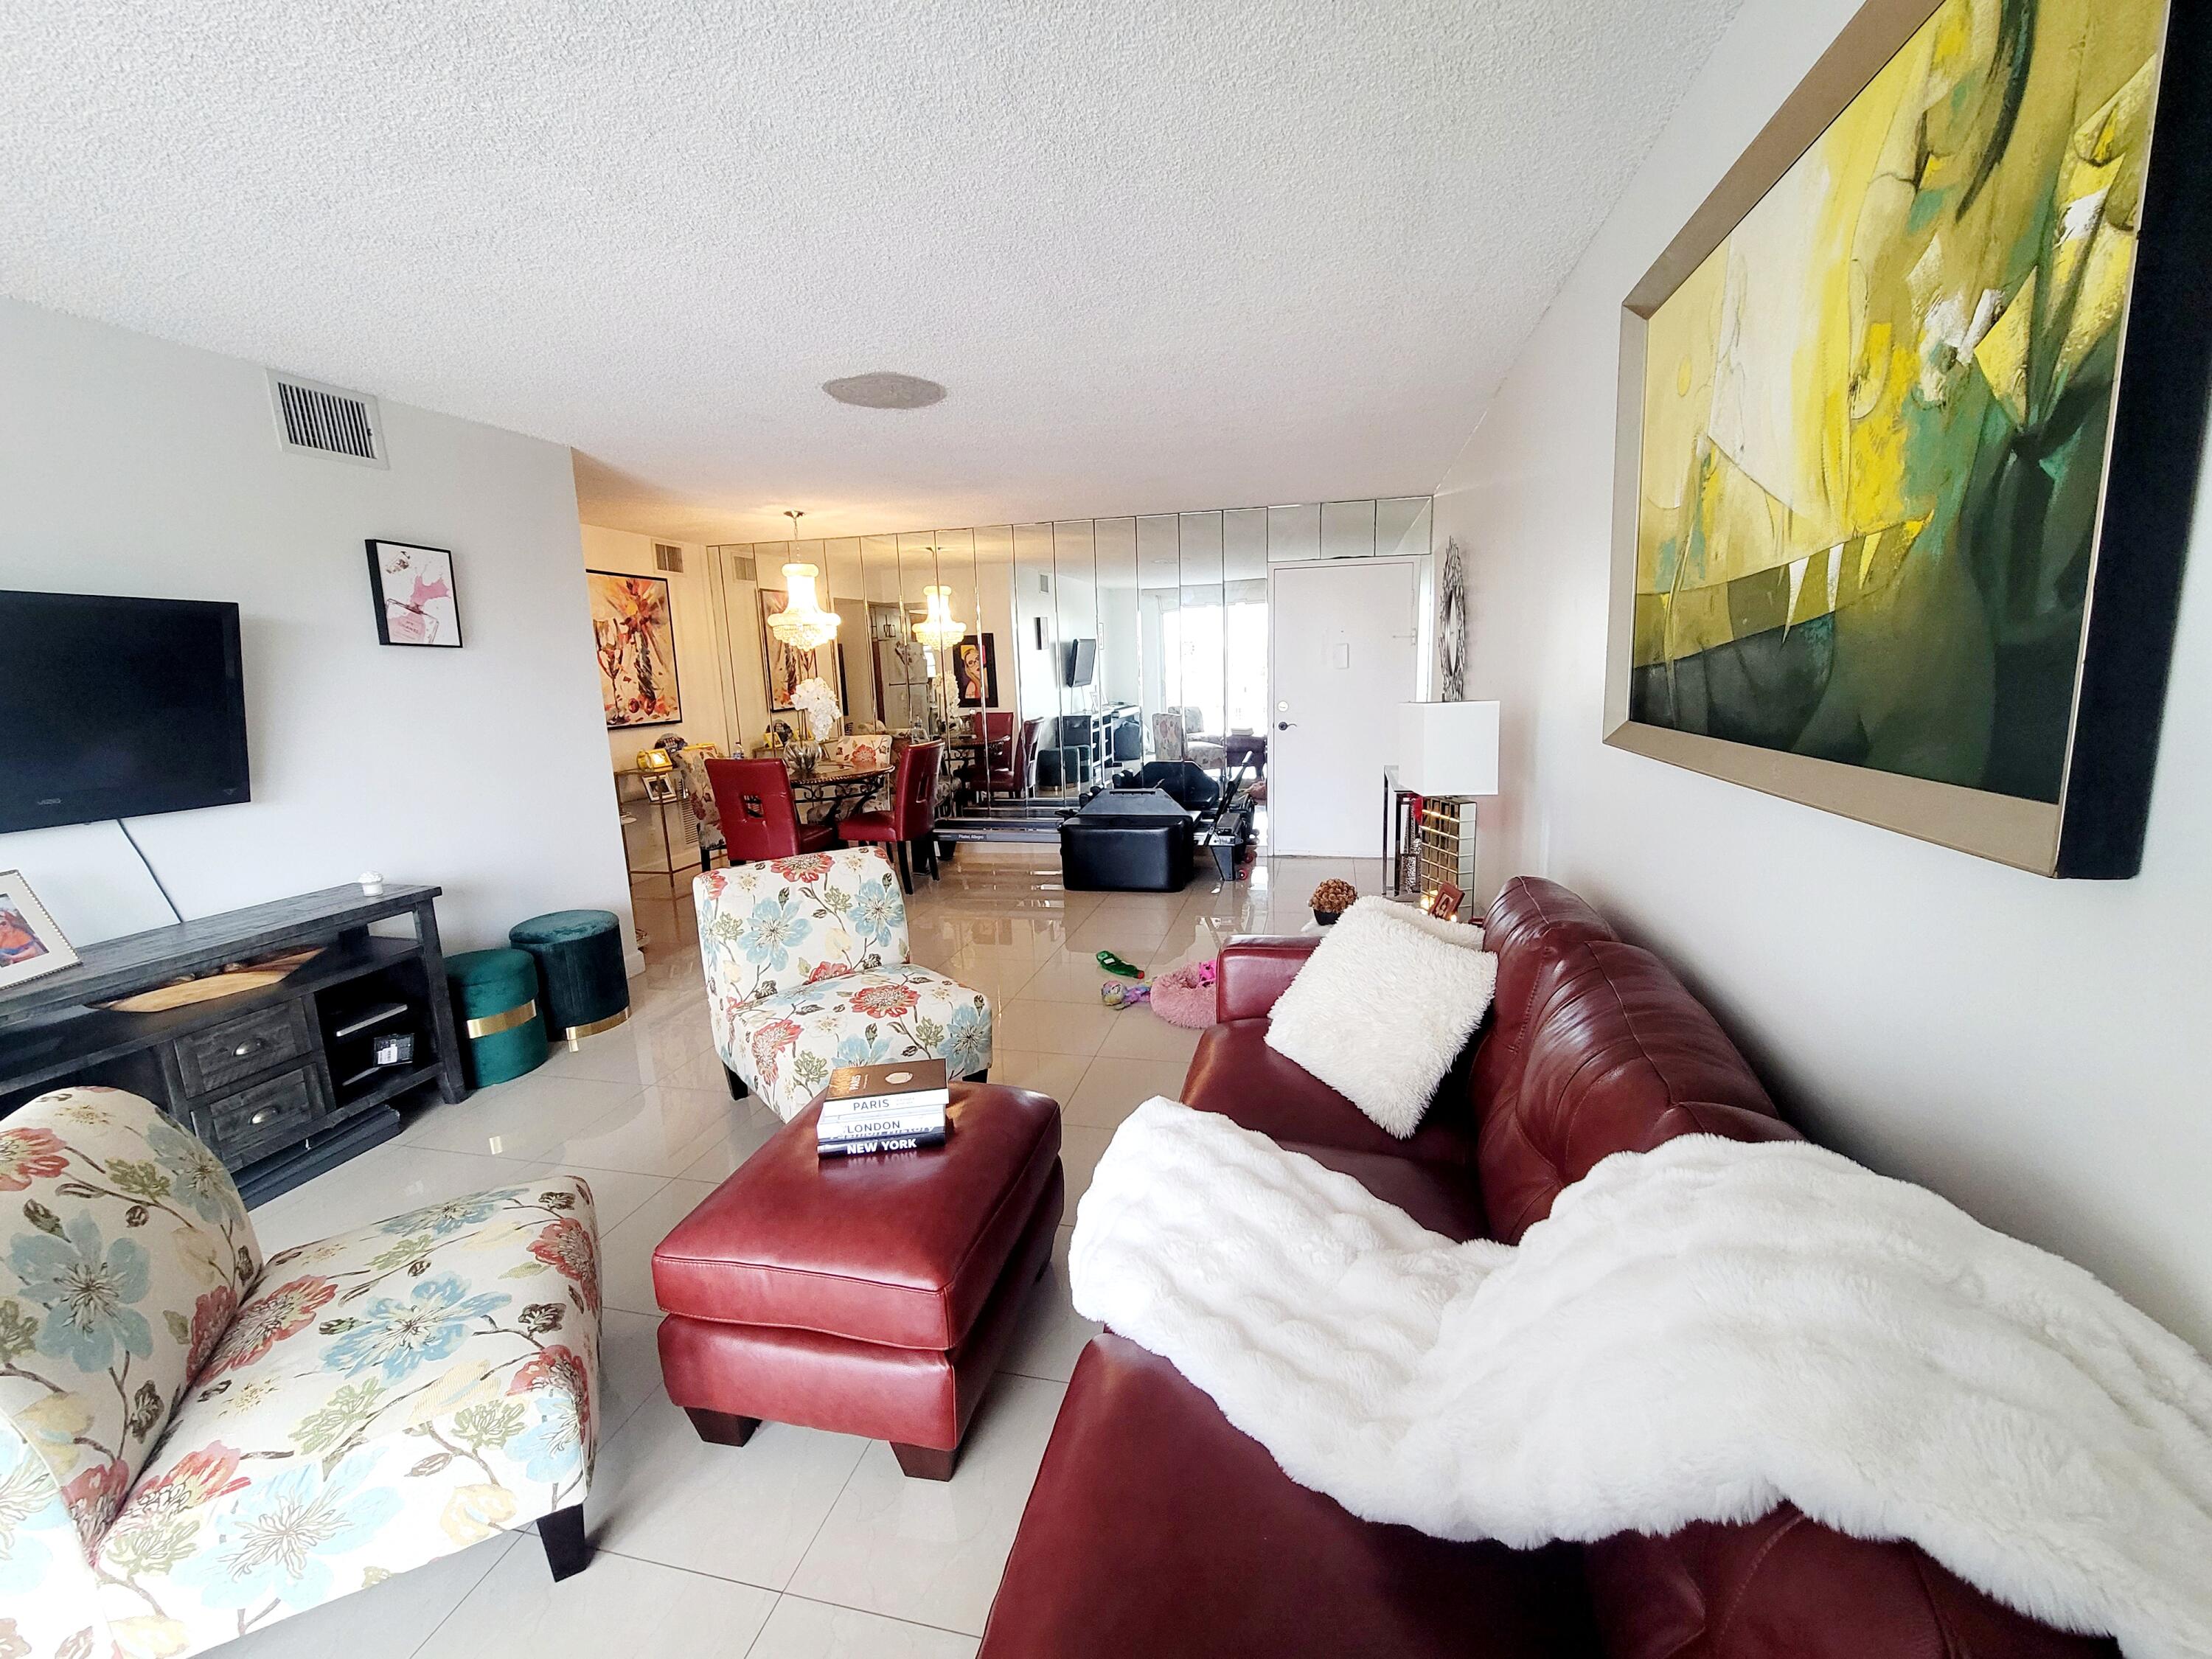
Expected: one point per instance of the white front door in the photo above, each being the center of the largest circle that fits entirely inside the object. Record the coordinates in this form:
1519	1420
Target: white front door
1345	639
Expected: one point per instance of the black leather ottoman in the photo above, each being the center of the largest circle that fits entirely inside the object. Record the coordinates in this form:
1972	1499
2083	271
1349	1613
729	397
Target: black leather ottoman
1127	841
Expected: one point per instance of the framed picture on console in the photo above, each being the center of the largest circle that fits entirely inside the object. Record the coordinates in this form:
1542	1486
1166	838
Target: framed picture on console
30	946
1910	418
417	602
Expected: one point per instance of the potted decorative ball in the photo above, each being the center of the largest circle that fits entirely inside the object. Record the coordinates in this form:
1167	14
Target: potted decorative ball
1331	899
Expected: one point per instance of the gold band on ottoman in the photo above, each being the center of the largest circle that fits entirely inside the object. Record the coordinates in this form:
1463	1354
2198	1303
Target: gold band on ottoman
576	1033
492	1024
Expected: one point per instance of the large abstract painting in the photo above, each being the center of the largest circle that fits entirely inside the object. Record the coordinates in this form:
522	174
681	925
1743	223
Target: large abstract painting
1868	428
634	630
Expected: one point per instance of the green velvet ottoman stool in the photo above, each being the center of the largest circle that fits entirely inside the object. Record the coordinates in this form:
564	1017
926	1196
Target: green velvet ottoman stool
496	1005
580	982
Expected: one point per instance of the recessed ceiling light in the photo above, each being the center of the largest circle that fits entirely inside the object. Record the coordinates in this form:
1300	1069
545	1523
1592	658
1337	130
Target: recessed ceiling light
885	391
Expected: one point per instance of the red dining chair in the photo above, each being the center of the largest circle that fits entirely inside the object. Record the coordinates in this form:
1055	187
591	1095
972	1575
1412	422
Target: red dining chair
905	828
759	814
1007	751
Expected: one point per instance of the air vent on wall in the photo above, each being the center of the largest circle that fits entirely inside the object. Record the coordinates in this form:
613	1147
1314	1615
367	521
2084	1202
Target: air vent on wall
742	567
668	558
327	420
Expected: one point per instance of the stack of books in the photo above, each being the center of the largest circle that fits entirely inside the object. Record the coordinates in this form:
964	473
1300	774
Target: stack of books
884	1109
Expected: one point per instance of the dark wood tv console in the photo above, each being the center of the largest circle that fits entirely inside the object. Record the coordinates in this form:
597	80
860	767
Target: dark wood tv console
280	1082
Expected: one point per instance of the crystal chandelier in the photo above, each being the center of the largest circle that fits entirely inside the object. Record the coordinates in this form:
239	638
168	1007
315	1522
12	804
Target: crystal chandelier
802	624
940	628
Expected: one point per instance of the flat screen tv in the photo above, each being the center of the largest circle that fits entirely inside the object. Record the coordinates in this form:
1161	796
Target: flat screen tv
116	708
1080	658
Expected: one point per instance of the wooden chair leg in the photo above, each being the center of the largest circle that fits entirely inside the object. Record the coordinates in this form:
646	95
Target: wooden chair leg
567	1550
738	1089
905	868
722	1428
925	1463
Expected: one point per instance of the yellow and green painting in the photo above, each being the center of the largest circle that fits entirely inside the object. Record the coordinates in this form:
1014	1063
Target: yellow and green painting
1876	417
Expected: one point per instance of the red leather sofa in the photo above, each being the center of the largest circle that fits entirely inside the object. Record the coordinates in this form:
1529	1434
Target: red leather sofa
1156	1530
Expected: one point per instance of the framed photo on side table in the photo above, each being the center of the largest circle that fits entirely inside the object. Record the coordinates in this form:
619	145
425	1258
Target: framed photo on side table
30	946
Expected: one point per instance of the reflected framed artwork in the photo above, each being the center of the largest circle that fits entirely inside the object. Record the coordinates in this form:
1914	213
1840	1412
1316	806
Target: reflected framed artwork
975	670
1910	423
634	630
417	601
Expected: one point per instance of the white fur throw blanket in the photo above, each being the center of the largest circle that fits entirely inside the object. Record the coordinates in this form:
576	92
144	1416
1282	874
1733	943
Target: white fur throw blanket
1696	1332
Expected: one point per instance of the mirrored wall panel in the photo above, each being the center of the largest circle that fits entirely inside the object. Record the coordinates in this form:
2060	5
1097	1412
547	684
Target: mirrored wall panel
1053	655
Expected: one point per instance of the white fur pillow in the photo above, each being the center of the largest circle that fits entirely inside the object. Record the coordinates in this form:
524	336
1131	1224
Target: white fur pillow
1384	1006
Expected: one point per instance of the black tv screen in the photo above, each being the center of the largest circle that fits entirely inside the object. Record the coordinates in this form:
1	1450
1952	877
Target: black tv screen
1082	657
115	709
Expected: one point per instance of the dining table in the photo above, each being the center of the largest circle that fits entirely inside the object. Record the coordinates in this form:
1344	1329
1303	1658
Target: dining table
829	792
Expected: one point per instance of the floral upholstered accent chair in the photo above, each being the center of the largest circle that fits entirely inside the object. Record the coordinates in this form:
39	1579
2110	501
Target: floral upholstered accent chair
699	801
807	969
195	1443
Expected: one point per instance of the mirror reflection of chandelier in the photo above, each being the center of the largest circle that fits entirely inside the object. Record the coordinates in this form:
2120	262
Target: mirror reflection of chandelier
939	629
802	624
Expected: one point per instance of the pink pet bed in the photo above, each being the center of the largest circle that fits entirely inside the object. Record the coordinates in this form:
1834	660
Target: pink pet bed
1184	996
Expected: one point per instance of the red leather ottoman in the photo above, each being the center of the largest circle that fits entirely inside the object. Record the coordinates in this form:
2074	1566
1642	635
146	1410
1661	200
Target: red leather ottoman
869	1296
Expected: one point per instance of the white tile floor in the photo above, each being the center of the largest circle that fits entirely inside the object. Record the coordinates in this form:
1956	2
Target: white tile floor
802	1545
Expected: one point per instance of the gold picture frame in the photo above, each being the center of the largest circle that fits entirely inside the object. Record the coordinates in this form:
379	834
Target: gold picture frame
2092	823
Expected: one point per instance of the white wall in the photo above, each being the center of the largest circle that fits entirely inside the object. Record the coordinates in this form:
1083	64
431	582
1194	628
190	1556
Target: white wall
130	466
2033	1050
699	664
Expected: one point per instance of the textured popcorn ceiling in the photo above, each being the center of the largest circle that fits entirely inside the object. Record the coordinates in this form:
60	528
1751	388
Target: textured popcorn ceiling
1163	256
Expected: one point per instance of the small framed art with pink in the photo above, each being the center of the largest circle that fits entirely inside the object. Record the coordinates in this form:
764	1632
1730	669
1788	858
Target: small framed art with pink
417	600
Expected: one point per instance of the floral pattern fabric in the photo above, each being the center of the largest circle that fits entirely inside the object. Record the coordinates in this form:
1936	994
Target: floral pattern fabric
859	749
788	1045
772	926
807	968
47	1587
385	1397
194	1444
121	1236
699	802
124	1248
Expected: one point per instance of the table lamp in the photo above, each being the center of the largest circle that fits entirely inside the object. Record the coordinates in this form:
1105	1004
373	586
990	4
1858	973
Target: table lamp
1448	755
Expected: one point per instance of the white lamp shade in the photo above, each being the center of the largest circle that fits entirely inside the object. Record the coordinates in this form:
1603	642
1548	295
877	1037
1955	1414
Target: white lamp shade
1447	748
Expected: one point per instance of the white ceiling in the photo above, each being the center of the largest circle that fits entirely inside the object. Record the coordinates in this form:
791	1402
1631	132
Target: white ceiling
1164	256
